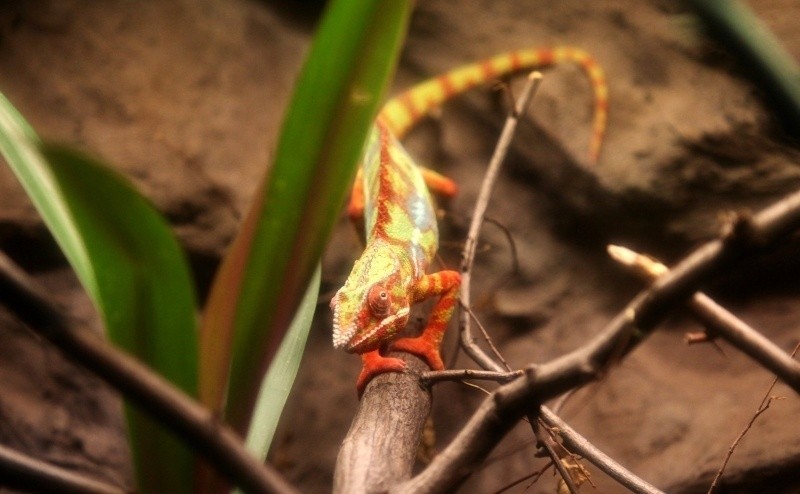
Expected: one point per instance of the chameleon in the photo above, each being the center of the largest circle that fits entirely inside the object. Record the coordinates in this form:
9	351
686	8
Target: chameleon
391	201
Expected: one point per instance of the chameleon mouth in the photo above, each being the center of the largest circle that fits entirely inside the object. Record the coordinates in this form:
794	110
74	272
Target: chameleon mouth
340	335
364	342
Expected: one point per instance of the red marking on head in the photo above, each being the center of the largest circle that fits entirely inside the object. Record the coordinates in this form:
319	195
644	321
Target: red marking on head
363	318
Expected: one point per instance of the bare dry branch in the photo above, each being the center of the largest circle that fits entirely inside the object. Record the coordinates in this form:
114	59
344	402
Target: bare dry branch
549	445
194	424
468	256
381	445
499	412
20	471
721	323
761	409
579	445
433	377
471	243
766	401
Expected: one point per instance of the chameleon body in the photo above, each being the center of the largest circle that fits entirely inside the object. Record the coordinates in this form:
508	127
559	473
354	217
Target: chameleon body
391	200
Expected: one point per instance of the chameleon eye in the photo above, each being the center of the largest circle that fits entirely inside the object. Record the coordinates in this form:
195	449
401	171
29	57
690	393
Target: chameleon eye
379	301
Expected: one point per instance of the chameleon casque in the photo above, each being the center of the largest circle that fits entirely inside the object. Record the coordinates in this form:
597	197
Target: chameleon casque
391	200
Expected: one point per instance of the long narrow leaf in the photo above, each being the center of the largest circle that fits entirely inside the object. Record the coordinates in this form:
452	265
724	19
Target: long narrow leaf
18	144
146	295
130	264
279	379
262	279
759	53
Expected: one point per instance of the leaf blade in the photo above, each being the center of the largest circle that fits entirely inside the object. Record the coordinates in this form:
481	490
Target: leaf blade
278	381
271	260
146	297
119	247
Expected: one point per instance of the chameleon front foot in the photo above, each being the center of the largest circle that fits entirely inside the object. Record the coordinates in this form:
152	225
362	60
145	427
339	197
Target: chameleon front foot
423	347
374	364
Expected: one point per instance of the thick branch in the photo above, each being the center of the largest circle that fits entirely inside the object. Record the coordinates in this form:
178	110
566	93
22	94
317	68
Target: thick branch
20	471
498	413
212	439
381	445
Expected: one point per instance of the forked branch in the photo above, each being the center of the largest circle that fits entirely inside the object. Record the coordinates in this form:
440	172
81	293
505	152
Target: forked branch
503	408
719	322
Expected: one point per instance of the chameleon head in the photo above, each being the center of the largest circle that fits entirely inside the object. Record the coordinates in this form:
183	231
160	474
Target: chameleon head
366	318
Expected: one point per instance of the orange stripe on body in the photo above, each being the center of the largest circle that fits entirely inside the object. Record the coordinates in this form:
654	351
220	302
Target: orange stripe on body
447	86
383	217
487	71
516	61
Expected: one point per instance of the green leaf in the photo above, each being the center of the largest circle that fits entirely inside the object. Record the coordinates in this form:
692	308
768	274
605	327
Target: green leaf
279	379
133	269
18	144
760	55
266	271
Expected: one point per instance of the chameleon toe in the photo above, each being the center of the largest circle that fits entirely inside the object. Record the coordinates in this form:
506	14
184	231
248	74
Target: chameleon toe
423	348
375	364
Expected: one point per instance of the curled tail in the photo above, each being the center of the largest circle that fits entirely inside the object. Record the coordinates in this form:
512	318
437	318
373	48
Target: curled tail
406	109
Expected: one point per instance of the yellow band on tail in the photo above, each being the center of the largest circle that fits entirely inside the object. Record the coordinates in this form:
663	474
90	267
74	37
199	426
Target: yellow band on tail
406	109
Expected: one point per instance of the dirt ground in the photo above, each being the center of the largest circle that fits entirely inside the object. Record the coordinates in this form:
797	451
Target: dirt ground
186	99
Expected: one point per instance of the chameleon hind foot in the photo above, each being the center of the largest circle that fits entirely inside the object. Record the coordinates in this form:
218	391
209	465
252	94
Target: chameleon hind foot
374	364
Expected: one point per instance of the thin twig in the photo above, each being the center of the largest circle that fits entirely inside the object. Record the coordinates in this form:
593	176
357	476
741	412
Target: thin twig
720	322
697	337
20	471
433	377
579	445
534	475
495	417
766	401
188	420
488	339
470	245
511	244
761	409
468	255
547	443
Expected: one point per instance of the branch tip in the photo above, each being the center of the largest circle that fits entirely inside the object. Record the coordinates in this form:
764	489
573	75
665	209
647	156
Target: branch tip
643	265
